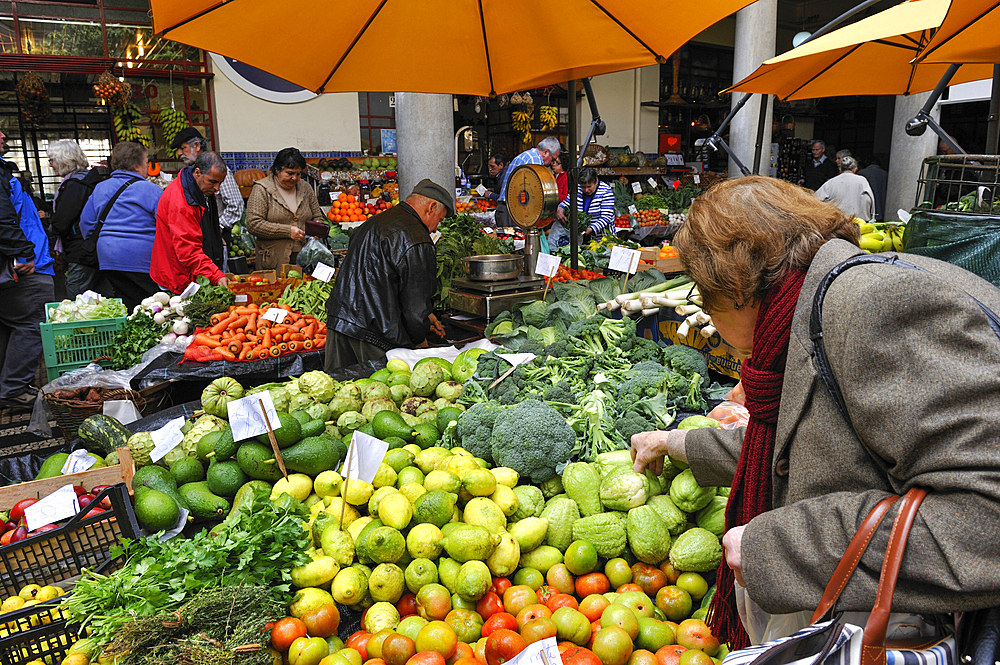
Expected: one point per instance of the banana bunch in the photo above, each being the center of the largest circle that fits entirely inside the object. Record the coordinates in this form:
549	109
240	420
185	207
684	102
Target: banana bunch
874	240
125	120
171	121
549	115
521	122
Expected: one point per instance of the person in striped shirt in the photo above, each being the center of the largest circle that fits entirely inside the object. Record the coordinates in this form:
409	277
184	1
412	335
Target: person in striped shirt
546	150
597	200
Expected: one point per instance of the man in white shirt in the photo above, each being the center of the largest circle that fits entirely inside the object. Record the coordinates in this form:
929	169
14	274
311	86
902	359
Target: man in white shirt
849	191
189	143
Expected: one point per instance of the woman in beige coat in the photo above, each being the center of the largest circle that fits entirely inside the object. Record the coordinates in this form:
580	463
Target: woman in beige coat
278	208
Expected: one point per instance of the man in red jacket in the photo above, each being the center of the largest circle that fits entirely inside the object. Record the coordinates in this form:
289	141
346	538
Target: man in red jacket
188	241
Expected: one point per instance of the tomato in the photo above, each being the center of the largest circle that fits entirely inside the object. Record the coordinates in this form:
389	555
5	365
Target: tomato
571	625
489	605
397	649
500	584
579	656
592	583
17	512
503	645
426	658
561	600
463	650
532	612
498	621
538	629
407	605
322	622
468	625
307	651
359	642
545	592
649	578
286	631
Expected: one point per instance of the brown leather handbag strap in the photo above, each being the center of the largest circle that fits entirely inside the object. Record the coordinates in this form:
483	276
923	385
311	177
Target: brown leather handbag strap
873	642
842	574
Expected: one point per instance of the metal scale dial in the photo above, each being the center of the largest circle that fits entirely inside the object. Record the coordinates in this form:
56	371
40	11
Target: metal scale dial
532	198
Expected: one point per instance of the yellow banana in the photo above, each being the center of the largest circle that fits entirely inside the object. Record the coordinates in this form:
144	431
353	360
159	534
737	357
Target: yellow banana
866	227
873	241
897	238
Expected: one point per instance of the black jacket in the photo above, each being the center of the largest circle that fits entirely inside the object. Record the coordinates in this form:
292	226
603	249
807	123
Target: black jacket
73	195
384	289
13	243
815	176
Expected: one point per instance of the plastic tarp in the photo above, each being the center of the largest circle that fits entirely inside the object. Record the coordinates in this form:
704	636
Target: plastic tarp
970	241
166	368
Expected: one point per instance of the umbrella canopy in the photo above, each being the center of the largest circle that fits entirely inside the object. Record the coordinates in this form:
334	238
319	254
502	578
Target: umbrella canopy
474	47
970	32
871	57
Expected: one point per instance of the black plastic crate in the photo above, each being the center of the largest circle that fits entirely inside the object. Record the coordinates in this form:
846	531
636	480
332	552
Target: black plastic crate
39	632
63	553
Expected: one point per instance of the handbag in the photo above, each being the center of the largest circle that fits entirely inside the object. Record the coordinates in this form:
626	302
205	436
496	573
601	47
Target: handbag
318	229
833	642
88	250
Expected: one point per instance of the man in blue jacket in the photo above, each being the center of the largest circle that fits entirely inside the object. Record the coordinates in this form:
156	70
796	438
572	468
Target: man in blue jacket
23	239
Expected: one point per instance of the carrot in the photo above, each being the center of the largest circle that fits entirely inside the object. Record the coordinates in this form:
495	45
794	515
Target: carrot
240	336
283	346
279	330
220	326
275	352
238	323
251	337
243	352
293	346
215	318
201	339
297	337
267	338
309	330
307	345
245	311
234	347
252	322
225	353
287	308
319	342
294	316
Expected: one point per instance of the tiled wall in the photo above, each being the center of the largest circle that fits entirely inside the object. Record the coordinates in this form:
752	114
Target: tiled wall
263	160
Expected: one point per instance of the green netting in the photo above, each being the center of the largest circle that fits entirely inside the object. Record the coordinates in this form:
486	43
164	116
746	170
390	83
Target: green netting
965	240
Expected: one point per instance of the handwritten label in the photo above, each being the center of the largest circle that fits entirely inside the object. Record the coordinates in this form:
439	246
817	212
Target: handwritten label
92	296
624	259
637	188
78	460
533	653
697	178
547	265
190	290
241	297
652	183
323	272
364	456
480	190
246	418
632	210
59	505
166	439
275	314
516	359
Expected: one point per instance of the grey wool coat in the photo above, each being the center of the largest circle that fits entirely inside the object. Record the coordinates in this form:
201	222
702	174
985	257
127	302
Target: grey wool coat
919	368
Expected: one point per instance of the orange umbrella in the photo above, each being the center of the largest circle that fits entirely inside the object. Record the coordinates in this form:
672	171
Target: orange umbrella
871	57
474	47
970	32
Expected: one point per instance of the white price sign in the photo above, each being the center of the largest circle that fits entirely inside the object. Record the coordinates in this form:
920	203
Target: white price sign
190	290
59	505
166	439
364	456
697	178
636	187
516	359
624	259
275	314
242	297
78	460
92	296
547	265
480	190
247	419
632	210
532	654
652	183
323	272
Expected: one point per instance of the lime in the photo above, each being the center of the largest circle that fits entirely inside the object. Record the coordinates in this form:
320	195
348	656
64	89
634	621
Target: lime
398	459
424	541
410	474
396	365
412	491
445	481
478	481
434	507
381	375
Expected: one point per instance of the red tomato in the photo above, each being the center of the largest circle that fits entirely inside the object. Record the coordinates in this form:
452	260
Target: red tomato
498	621
489	605
500	584
407	605
503	645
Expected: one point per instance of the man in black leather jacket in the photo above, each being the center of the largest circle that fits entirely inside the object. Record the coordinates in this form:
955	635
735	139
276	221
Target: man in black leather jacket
382	298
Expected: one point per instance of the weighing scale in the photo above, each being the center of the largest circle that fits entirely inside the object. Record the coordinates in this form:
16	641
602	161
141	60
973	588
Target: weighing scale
532	198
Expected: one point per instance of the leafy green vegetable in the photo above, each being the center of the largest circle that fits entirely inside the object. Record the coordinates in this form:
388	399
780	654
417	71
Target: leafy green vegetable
308	297
136	336
207	301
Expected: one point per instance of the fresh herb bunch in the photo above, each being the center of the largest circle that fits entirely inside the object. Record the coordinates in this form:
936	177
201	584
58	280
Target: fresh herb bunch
458	235
207	301
259	547
308	298
136	336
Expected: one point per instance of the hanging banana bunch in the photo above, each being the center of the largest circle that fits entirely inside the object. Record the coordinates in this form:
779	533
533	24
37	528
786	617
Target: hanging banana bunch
171	121
549	115
125	120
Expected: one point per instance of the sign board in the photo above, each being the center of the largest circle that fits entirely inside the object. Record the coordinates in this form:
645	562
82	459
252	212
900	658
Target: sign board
246	418
323	272
624	259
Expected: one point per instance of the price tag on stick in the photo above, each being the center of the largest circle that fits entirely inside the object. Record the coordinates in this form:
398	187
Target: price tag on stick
190	290
637	188
275	314
547	265
274	442
78	460
60	505
632	210
247	419
166	439
624	259
323	272
364	456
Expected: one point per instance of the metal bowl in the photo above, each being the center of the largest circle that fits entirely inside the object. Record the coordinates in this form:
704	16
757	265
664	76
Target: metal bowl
493	267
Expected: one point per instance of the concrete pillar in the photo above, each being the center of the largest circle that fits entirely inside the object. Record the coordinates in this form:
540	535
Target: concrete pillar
908	153
756	27
425	140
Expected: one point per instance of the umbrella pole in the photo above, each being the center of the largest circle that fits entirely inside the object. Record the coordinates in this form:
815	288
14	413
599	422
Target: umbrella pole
715	141
573	176
919	124
761	117
993	124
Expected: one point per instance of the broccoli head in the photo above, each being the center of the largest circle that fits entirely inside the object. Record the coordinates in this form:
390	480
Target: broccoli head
475	429
531	438
645	350
634	422
686	360
560	392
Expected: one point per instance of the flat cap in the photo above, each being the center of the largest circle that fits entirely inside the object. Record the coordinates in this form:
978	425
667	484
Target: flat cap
184	136
436	192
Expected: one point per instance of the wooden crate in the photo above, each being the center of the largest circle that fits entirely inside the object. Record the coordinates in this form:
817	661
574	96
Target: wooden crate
36	489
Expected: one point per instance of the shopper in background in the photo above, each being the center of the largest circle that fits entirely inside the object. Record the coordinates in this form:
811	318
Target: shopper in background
878	180
189	143
546	151
496	166
562	178
78	182
124	243
383	295
24	243
595	199
188	242
849	191
818	168
841	154
278	208
918	378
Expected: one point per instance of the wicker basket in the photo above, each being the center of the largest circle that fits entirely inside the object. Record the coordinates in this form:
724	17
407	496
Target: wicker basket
70	413
705	180
595	155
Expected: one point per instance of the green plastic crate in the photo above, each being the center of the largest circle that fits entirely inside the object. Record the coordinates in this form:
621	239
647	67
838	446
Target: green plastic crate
74	344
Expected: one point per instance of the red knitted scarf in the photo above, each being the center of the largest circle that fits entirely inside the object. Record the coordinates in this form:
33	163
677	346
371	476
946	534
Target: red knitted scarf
762	376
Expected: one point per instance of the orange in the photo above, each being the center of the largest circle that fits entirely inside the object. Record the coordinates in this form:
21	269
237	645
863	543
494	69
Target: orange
342	197
350	198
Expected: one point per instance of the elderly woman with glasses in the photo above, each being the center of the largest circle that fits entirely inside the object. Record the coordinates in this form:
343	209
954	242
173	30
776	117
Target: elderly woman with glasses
68	161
